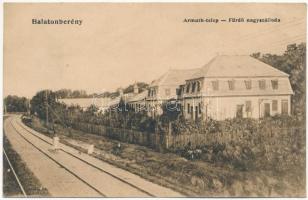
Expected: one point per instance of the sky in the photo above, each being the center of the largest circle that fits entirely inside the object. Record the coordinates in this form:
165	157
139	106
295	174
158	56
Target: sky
118	44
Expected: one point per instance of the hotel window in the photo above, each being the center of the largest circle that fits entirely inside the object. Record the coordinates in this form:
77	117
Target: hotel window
187	88
274	105
231	84
198	86
193	87
248	106
274	84
200	109
215	85
167	92
262	84
188	108
248	84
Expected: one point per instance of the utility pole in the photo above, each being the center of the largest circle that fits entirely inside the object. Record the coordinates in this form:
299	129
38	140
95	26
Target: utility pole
46	106
4	107
29	107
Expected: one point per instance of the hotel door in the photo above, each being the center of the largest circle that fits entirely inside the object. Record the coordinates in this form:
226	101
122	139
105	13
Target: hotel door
239	111
284	107
267	110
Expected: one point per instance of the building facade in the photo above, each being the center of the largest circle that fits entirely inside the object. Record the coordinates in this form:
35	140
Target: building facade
235	86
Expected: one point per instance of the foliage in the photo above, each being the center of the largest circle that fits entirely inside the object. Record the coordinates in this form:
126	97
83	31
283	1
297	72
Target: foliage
276	143
45	102
67	93
171	111
181	125
41	101
16	104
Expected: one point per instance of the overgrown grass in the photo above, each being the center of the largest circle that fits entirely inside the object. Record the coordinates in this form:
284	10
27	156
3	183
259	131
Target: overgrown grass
31	184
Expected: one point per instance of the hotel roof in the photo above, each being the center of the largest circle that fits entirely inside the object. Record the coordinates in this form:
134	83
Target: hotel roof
237	66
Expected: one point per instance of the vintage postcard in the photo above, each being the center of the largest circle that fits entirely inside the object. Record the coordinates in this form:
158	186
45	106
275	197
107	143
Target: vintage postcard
154	100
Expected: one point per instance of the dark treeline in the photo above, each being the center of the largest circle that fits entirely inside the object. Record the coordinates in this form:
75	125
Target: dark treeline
16	104
67	93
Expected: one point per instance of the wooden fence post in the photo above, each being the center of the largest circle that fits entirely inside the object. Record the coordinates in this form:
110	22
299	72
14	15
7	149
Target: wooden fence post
168	135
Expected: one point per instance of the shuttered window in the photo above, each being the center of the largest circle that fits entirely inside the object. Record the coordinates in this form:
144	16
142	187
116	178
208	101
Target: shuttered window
187	88
231	84
198	86
274	84
248	84
193	87
262	84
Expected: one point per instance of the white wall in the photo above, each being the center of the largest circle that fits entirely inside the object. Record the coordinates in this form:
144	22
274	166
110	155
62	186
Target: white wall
221	108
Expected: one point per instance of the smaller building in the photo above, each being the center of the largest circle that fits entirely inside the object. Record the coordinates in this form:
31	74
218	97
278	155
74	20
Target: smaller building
138	101
133	100
165	88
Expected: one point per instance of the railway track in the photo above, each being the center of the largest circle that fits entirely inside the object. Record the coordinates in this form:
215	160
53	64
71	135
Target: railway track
14	173
76	157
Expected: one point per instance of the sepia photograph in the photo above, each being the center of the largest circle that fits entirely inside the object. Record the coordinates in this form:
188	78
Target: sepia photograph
154	100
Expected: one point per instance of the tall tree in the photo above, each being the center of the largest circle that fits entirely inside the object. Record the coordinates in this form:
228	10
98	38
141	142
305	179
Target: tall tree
41	102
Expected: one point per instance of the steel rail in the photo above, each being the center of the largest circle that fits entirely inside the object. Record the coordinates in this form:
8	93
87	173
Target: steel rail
61	165
92	165
16	177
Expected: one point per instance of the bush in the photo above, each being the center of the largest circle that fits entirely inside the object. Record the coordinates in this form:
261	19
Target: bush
276	143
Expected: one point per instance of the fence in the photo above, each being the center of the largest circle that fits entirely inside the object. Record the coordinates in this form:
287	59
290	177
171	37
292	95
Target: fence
152	140
179	141
262	135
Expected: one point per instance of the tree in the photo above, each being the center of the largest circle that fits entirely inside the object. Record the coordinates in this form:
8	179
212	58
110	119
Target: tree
67	93
40	102
16	104
171	111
